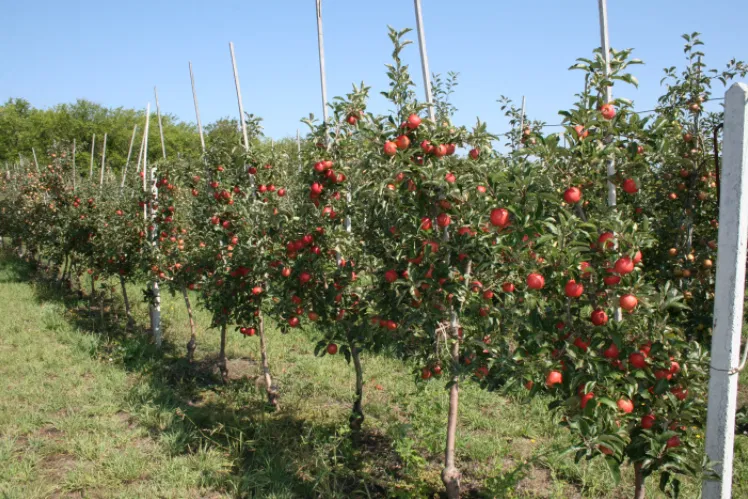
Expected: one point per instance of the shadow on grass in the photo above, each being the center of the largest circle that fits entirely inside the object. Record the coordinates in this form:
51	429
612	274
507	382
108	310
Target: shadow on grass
187	408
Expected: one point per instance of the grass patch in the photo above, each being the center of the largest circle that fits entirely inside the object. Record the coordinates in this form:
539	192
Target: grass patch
91	410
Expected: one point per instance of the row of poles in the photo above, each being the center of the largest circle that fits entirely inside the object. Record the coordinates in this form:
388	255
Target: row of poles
723	384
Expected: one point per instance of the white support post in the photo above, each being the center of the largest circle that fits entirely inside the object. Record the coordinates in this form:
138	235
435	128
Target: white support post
521	123
197	109
103	159
129	155
36	163
729	294
74	172
154	308
90	168
605	48
321	50
160	126
424	61
610	164
239	97
145	160
140	154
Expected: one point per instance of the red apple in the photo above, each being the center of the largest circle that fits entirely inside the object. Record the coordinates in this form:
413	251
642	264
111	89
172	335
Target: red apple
535	281
553	378
573	195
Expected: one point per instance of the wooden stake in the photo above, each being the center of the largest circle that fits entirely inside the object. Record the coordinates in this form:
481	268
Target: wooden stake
239	97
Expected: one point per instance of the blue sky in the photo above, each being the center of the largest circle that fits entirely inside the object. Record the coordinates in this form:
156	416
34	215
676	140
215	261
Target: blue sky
115	52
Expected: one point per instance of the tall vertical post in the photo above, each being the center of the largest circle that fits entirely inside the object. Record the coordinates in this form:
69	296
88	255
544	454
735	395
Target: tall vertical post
129	155
424	60
605	48
145	158
160	126
610	165
298	147
103	159
90	168
729	294
154	308
321	49
197	109
521	123
239	97
36	163
75	174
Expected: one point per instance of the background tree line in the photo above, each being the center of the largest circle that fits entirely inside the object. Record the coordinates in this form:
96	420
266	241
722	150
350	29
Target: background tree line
23	127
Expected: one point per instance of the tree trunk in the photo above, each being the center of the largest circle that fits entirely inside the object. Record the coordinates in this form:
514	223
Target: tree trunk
61	278
128	312
450	473
357	418
102	296
271	391
222	356
90	301
192	344
112	308
639	490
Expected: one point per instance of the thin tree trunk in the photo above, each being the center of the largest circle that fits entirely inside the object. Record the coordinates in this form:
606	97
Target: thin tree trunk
639	490
102	295
128	312
222	355
450	473
192	344
357	418
271	391
112	308
65	268
90	300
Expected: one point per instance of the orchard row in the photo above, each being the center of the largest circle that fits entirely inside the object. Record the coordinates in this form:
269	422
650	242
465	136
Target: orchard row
510	269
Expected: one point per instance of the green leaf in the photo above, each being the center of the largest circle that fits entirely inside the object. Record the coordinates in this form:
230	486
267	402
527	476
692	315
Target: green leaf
614	467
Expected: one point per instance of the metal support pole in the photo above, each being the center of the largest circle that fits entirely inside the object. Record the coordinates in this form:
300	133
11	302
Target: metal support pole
424	60
239	97
197	110
321	49
160	126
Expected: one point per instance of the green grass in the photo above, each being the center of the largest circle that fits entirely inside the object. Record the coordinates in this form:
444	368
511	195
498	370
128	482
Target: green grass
90	411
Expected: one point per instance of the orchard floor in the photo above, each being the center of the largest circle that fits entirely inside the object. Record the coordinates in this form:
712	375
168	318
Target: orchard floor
90	411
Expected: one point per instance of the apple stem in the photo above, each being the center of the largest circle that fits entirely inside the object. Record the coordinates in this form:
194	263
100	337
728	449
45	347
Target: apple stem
272	392
192	344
